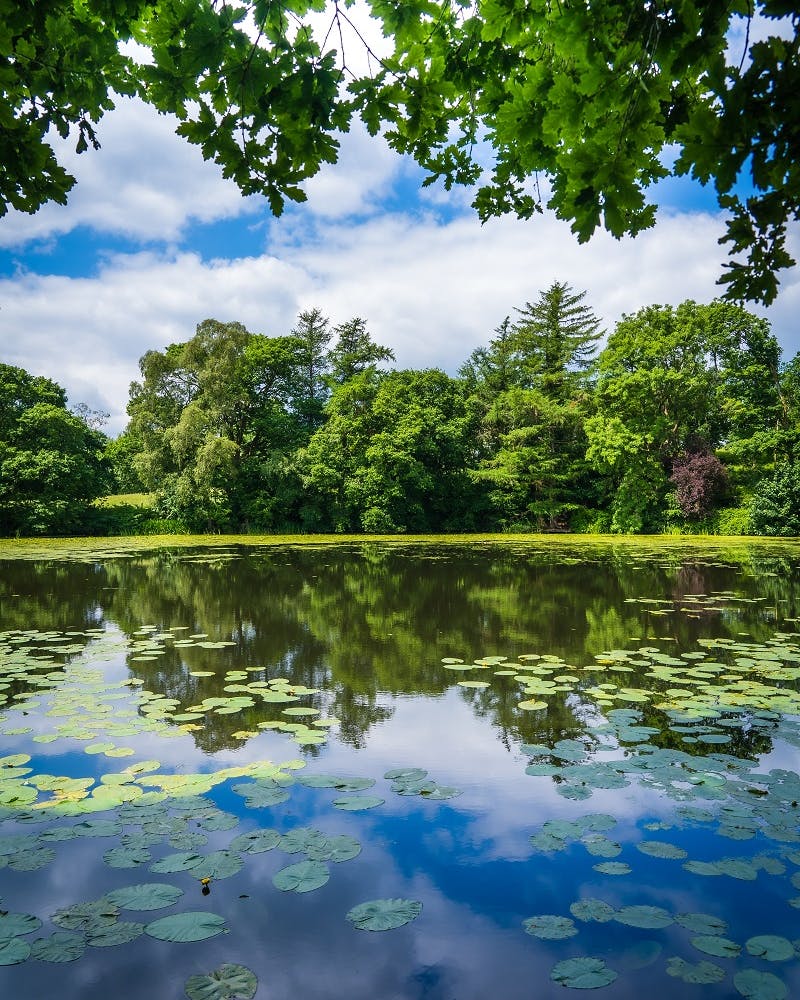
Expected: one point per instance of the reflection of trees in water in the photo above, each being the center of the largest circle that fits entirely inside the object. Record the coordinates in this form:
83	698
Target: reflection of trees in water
363	620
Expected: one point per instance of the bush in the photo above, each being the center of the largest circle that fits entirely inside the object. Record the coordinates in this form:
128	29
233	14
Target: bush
733	521
700	481
775	507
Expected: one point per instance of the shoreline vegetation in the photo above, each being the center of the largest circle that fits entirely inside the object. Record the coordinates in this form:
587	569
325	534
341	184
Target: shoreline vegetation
686	422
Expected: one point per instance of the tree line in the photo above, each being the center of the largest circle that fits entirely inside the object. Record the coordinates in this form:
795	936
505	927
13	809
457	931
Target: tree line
688	419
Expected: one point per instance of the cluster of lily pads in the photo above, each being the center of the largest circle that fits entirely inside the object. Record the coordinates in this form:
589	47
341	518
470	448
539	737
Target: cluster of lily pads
707	936
724	675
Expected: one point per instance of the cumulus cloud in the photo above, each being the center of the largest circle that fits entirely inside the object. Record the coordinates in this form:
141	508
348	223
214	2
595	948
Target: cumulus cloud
431	291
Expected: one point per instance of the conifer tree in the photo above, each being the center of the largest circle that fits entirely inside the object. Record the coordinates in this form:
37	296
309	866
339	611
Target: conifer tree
554	339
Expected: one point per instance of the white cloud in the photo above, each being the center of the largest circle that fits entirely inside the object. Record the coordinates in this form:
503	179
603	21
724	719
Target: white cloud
431	291
144	183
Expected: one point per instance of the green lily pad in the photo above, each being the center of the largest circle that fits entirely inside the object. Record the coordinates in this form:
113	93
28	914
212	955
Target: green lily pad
357	803
219	864
550	927
180	862
659	849
583	973
228	982
90	916
759	985
13	951
121	932
613	868
17	924
305	876
258	796
701	973
127	857
712	944
256	841
701	923
61	946
194	925
592	909
649	917
147	896
770	947
384	914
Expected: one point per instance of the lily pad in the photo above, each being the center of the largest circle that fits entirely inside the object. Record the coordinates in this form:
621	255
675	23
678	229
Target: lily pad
384	914
121	932
759	985
219	864
61	946
228	982
17	924
770	947
147	896
701	923
193	925
592	909
660	849
649	917
583	973
701	973
550	927
256	841
13	951
712	944
305	876
357	803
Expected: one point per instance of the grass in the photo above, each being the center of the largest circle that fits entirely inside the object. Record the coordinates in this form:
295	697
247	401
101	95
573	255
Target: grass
145	501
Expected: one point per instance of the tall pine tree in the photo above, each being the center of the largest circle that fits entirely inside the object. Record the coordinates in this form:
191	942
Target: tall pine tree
555	339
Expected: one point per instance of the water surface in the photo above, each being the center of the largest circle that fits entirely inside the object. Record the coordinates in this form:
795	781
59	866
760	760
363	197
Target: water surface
654	763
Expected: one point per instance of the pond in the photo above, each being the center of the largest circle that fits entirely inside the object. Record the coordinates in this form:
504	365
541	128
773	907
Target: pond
443	769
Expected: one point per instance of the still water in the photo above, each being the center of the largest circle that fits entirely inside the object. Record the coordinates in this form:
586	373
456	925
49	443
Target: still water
540	750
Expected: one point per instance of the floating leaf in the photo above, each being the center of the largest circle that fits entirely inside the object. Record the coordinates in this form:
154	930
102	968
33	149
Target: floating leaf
256	841
147	896
550	927
701	923
649	917
91	916
659	849
302	877
583	973
357	803
770	947
702	973
759	985
384	914
714	945
16	924
61	946
184	927
13	951
180	862
592	909
613	868
121	932
219	864
228	982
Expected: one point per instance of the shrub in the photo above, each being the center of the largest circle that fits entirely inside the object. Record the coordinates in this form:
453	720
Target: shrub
775	507
700	482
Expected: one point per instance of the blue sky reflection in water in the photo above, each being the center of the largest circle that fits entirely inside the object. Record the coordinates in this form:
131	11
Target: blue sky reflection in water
366	626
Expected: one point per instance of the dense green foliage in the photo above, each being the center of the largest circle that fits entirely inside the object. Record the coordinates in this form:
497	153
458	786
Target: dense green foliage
594	97
687	420
51	461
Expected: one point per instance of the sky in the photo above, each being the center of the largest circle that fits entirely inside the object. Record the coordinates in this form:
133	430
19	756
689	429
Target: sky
153	240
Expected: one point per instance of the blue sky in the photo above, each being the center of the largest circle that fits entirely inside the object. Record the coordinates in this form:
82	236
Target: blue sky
154	240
